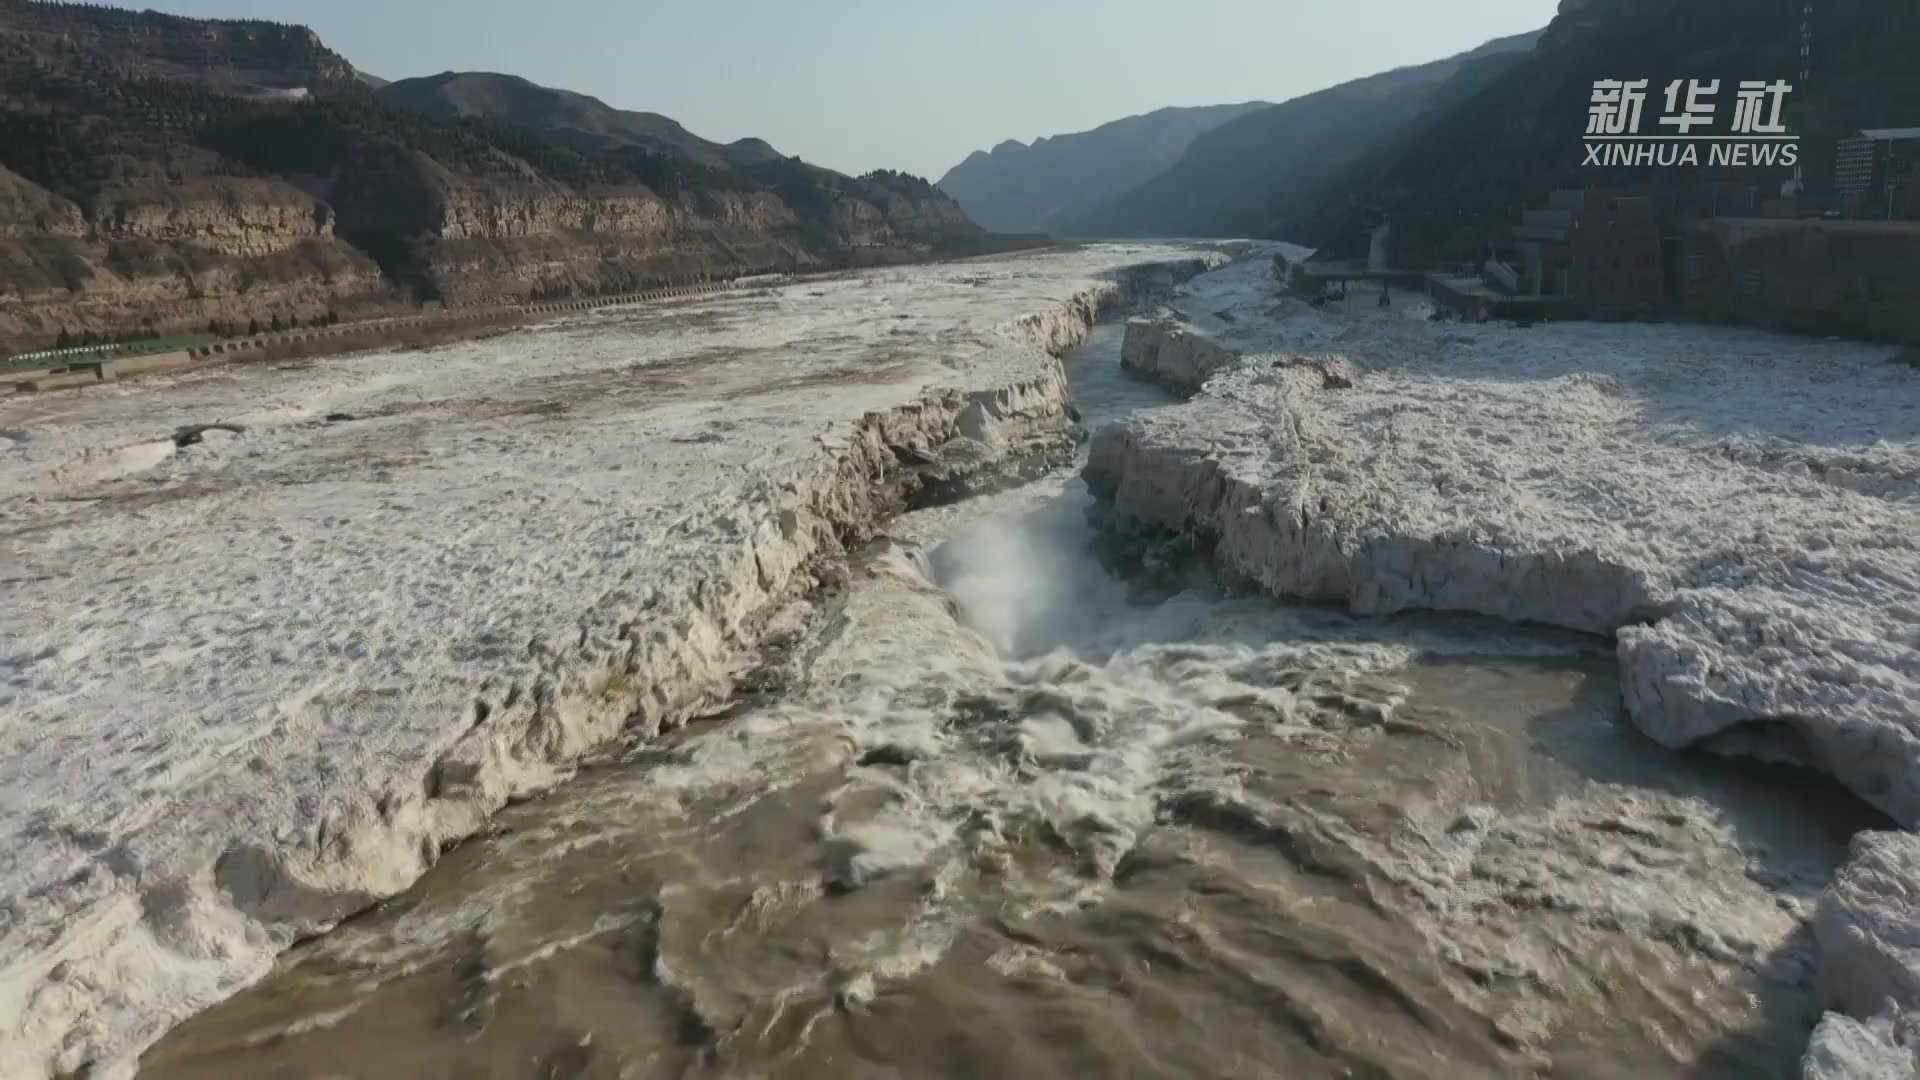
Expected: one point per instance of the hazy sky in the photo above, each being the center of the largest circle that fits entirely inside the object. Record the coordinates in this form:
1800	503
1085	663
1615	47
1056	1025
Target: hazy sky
860	84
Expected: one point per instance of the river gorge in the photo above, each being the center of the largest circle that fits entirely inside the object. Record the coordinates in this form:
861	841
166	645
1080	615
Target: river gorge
928	671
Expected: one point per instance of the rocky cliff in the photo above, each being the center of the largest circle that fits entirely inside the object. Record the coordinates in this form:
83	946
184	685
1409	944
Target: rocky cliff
1459	176
27	209
746	183
892	209
1821	277
161	174
143	255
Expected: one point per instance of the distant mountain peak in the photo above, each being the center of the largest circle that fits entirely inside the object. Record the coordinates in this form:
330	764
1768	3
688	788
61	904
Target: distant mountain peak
578	119
1251	175
1021	187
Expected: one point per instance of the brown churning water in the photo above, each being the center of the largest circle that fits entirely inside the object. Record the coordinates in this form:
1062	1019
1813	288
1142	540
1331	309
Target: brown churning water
1010	815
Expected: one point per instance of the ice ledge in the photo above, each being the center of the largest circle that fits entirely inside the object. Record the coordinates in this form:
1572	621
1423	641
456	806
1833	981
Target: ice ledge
1740	510
1881	1048
1868	928
361	777
1175	356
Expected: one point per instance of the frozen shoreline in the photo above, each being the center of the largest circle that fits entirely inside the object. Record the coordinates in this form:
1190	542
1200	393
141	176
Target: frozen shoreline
257	677
1740	510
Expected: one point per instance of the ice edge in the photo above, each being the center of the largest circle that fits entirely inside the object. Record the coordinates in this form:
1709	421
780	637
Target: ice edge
111	986
1282	538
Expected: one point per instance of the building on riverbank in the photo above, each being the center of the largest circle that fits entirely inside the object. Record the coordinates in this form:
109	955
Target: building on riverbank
1856	279
1598	248
1594	252
1877	174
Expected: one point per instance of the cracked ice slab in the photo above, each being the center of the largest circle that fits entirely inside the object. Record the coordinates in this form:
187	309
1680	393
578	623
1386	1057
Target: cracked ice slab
1740	509
1868	927
253	683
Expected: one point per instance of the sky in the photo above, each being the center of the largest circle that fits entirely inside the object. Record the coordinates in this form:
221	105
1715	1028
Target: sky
862	84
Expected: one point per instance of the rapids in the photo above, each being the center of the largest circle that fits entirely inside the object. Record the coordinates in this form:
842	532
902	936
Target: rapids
1004	800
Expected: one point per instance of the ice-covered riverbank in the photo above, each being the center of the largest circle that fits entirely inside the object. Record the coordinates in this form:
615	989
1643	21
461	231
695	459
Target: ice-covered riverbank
258	675
1002	804
1737	508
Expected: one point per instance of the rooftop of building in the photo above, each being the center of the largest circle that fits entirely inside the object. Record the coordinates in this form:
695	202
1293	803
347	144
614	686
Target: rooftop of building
1890	134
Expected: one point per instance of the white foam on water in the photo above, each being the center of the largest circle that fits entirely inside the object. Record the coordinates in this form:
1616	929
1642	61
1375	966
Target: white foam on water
987	739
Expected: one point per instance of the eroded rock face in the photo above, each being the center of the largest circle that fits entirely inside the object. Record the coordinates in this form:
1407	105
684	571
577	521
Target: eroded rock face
80	285
174	258
470	212
758	210
892	219
1736	508
26	209
294	203
230	216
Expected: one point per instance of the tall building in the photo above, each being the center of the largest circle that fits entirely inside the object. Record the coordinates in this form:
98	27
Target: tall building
1599	247
1877	172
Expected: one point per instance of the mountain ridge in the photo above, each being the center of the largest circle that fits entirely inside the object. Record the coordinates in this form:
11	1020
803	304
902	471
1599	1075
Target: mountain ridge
580	120
1023	187
1460	179
1247	175
1452	151
161	174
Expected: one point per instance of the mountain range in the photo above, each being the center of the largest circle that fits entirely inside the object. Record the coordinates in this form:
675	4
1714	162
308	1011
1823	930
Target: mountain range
1452	150
1465	171
1016	187
1250	176
161	174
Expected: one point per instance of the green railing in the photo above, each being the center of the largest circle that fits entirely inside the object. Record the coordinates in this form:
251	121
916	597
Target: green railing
86	353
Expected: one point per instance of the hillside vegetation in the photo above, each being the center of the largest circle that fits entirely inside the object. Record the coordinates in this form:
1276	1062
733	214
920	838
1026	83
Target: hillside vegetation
569	117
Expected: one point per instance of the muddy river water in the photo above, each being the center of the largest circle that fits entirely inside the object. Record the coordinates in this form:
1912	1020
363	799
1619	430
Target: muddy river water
997	810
